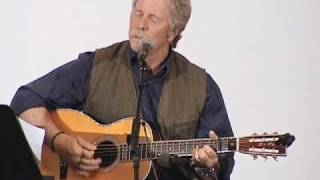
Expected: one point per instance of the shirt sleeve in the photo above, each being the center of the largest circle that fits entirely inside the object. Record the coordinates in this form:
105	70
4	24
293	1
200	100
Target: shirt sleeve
64	87
215	117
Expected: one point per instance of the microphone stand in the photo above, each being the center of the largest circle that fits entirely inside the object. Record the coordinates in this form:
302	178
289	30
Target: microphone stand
134	140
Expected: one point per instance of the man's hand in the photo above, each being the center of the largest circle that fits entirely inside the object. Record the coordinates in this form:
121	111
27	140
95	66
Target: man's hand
78	153
206	156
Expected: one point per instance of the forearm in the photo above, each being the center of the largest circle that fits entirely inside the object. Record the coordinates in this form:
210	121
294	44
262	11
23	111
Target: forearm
40	117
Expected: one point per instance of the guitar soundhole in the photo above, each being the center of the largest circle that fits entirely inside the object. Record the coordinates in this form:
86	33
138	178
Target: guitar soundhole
108	152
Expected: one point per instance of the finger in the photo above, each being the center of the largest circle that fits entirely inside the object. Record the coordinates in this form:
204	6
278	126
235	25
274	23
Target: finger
82	173
88	168
90	162
87	154
213	135
86	145
209	151
203	157
76	153
195	155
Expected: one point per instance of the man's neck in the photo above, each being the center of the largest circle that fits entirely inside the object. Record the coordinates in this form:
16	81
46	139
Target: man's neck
155	59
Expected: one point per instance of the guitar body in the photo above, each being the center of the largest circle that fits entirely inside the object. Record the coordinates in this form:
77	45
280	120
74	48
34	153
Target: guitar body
78	124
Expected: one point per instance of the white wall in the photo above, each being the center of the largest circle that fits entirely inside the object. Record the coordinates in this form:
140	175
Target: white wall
264	54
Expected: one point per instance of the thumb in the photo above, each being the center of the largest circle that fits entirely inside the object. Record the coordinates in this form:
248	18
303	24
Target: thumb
85	144
212	135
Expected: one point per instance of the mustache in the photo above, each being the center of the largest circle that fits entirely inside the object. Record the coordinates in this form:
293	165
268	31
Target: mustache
142	38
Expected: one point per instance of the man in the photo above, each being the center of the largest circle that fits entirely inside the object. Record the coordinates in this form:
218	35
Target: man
180	100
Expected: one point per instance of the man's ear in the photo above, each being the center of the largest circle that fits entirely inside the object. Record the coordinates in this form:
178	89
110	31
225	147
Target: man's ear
172	35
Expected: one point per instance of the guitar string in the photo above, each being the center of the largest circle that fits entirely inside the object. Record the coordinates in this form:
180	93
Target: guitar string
157	149
175	146
152	153
169	145
111	148
160	145
153	150
175	143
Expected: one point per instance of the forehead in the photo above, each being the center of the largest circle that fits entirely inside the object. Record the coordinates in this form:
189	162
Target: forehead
156	7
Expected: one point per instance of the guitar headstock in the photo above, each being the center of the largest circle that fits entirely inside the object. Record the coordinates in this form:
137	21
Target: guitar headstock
266	145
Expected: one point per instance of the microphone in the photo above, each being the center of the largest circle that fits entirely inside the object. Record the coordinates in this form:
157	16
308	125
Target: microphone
145	48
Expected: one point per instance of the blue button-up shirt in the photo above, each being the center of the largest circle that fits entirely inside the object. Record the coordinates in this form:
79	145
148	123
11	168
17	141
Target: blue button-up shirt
67	87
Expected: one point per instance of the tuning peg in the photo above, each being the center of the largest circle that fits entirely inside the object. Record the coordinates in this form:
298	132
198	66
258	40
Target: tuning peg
254	134
265	133
265	157
275	158
254	156
276	133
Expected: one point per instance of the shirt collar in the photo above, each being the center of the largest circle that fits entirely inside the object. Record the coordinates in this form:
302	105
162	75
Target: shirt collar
164	66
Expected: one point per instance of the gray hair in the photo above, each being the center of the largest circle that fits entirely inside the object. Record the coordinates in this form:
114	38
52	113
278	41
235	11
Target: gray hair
179	15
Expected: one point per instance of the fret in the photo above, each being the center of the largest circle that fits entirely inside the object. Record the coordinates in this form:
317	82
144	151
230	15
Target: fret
186	149
215	144
197	143
232	144
129	153
169	147
179	148
227	143
151	150
193	147
125	151
146	151
156	150
190	146
122	152
222	144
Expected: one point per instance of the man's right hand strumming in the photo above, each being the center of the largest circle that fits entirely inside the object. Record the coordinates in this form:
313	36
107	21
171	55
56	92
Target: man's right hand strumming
78	153
75	151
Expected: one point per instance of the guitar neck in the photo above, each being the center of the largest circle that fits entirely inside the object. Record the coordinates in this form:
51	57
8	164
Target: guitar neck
180	148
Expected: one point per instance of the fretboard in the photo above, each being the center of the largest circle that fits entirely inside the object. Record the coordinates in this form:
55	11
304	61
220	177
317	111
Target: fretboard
180	148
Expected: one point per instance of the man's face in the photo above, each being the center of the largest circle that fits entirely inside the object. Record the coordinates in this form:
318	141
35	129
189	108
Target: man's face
149	20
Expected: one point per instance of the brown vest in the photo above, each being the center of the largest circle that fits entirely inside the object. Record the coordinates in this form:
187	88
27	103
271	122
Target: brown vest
113	96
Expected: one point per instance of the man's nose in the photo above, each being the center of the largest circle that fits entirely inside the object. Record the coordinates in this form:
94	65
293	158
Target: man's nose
143	23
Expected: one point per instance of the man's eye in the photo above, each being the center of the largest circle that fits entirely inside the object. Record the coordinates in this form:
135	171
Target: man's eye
138	13
155	19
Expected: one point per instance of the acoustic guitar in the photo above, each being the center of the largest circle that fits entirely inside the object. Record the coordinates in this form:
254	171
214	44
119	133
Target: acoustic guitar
112	147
